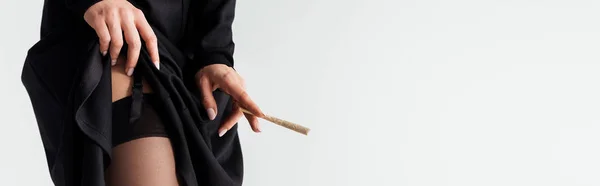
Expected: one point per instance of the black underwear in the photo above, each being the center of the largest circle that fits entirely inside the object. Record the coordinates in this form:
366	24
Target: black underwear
134	117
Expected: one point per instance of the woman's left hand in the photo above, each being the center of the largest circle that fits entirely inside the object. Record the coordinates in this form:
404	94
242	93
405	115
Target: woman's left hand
229	81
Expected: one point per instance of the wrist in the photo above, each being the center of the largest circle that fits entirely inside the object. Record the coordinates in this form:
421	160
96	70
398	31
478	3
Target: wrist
79	7
212	68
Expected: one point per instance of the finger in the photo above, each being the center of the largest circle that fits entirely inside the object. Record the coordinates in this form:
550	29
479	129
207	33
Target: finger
236	114
103	35
241	96
208	101
253	120
132	37
116	36
149	37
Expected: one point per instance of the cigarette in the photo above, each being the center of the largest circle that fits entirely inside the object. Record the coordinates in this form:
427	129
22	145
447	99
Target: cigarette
287	124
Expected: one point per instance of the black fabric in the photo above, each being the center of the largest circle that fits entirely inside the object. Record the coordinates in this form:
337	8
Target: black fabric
149	123
69	84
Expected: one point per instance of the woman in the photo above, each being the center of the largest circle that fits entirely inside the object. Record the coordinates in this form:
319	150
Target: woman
138	92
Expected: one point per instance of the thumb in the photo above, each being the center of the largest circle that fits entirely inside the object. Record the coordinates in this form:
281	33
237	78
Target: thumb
208	101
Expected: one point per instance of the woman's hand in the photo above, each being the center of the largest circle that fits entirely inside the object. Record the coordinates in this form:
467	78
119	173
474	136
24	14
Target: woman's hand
113	18
228	80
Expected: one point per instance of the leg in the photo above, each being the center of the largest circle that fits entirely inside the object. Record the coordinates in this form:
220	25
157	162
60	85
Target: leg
147	161
142	162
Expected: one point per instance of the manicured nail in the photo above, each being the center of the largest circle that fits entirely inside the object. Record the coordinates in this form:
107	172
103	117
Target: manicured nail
129	71
103	53
222	133
211	113
257	127
157	64
113	62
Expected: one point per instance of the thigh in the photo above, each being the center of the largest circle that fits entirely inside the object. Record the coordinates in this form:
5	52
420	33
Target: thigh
121	83
146	161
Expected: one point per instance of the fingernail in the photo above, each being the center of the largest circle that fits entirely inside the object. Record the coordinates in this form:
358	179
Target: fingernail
222	133
211	113
157	65
129	71
113	62
103	53
258	127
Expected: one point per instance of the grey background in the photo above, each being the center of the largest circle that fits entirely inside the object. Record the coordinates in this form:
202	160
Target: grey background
411	92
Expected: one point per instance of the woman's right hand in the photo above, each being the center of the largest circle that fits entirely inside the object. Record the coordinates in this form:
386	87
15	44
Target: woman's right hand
113	18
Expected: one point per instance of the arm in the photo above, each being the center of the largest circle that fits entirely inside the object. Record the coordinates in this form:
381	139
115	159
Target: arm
212	28
212	64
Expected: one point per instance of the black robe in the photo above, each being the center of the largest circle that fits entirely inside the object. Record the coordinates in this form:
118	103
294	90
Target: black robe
69	84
